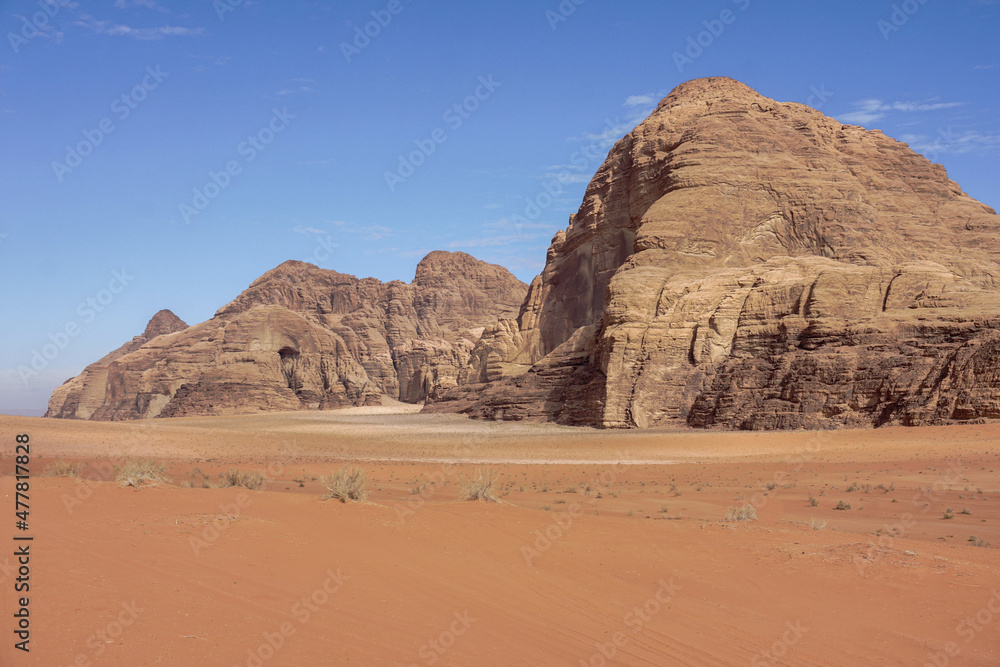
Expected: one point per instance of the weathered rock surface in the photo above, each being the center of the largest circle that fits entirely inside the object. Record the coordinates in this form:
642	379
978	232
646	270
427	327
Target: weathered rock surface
744	263
82	396
303	337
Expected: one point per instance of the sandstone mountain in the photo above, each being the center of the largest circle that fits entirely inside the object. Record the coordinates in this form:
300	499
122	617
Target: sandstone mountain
736	262
303	337
745	263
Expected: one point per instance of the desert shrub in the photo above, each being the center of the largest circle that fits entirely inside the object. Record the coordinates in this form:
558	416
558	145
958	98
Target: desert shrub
346	485
978	541
813	502
965	510
817	524
948	514
480	487
139	472
63	469
841	505
248	480
746	513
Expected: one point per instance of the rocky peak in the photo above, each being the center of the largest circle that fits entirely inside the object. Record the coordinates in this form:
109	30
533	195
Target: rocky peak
745	262
164	322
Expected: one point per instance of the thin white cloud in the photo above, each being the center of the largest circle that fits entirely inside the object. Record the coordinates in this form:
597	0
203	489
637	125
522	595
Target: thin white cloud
950	141
491	241
869	111
639	100
148	4
300	89
121	30
299	229
366	232
508	223
47	30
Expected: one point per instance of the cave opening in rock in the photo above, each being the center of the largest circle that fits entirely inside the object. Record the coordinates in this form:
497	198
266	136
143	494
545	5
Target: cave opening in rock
289	362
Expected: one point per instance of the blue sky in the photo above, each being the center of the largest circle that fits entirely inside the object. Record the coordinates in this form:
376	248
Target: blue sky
159	154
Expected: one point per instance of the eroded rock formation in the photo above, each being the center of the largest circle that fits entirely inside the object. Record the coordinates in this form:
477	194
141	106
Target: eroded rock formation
745	263
736	262
303	337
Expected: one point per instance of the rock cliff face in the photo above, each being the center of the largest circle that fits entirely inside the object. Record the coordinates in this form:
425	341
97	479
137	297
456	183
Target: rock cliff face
303	337
82	396
744	263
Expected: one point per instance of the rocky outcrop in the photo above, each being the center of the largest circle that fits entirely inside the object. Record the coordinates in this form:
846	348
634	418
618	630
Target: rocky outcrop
82	396
303	337
745	263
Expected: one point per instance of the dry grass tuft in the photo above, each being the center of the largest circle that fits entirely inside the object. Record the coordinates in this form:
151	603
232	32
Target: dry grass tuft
63	469
248	480
140	472
346	485
817	524
480	487
746	513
